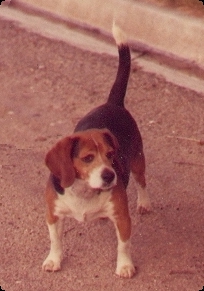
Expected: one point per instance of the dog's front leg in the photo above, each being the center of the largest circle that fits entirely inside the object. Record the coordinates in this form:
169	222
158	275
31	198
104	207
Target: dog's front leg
125	267
122	222
53	261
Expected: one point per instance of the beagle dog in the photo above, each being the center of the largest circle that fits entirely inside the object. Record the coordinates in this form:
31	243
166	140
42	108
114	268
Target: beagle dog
89	170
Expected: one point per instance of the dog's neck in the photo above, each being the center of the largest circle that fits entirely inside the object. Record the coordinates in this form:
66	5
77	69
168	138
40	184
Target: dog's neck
81	189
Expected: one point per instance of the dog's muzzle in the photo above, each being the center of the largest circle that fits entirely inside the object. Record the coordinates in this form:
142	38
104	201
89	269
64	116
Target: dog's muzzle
108	176
102	178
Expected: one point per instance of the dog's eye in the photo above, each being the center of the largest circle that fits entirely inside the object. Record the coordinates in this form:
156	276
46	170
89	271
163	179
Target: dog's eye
110	155
88	158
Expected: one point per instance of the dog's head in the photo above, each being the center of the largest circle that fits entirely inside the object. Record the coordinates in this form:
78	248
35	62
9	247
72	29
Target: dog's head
88	155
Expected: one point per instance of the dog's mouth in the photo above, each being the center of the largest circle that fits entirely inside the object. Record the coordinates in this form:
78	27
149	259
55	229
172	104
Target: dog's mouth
86	190
107	186
82	189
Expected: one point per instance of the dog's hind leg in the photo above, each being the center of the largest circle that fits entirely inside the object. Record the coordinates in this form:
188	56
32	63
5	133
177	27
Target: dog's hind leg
138	170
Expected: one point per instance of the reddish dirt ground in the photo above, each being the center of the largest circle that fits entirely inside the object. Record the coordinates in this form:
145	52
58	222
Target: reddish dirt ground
46	87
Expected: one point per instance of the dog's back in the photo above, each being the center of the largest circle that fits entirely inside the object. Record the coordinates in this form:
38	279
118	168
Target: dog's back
113	115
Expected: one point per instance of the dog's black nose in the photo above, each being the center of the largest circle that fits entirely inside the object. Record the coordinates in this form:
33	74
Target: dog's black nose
108	176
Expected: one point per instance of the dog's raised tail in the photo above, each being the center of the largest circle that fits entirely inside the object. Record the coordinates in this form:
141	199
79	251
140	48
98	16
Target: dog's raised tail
118	90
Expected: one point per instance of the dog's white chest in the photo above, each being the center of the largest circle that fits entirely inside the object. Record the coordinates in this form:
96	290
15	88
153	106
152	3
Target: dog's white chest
83	207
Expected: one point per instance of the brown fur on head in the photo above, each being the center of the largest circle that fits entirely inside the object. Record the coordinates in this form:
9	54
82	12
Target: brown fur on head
77	155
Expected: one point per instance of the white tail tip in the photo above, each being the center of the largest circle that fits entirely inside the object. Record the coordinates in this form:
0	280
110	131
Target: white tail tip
119	35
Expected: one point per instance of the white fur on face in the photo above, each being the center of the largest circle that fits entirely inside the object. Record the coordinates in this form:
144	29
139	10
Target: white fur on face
96	181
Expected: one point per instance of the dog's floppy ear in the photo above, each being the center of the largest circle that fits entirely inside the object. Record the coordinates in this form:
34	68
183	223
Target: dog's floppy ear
113	142
111	139
59	161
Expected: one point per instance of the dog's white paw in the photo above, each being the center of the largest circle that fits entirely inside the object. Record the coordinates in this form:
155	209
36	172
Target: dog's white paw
144	208
51	265
126	271
143	201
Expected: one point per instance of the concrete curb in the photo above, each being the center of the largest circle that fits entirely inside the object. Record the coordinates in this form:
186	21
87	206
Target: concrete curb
152	29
